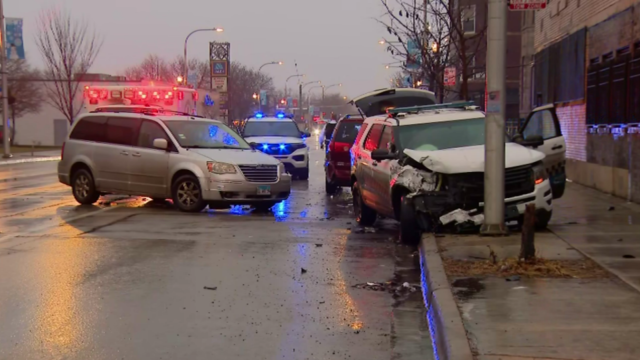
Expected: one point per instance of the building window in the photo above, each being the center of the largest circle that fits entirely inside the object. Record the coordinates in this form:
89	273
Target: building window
468	15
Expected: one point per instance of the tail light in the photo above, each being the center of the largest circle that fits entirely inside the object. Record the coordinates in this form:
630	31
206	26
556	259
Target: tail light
195	95
93	94
142	95
104	94
180	95
169	95
156	95
62	151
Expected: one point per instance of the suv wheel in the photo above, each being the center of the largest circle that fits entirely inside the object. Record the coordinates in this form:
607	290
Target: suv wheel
329	187
410	232
187	194
304	173
83	187
365	215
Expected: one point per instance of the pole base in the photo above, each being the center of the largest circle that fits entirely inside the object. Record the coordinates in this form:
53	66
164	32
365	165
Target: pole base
7	156
494	230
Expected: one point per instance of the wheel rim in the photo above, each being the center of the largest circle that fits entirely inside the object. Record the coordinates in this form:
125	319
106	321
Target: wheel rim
82	187
188	193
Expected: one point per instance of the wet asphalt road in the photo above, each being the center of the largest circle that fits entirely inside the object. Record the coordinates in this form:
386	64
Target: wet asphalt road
126	279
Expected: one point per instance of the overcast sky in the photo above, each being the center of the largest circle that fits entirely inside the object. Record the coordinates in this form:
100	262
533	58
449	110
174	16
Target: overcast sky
335	41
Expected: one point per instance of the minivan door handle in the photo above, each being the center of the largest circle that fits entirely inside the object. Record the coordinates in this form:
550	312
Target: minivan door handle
124	153
136	154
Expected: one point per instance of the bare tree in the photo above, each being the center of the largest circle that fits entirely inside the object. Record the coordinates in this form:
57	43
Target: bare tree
243	83
153	67
202	69
68	48
24	93
428	36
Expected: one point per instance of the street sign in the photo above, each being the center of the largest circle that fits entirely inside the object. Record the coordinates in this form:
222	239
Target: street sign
450	76
520	5
220	83
295	103
289	102
192	79
219	68
263	97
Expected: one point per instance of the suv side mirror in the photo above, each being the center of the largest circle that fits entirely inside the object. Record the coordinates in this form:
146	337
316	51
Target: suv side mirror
532	140
161	144
306	134
254	145
382	154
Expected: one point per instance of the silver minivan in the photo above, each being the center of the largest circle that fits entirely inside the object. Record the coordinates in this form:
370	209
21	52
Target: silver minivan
192	160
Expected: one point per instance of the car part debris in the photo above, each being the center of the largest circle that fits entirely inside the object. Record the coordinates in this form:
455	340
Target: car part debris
211	288
398	290
370	230
303	271
460	216
416	180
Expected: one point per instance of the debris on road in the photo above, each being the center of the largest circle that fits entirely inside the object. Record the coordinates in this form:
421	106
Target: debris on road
513	278
611	208
460	216
370	230
211	288
318	245
303	271
398	290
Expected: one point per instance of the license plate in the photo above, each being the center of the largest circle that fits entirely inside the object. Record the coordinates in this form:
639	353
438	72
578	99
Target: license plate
512	212
264	190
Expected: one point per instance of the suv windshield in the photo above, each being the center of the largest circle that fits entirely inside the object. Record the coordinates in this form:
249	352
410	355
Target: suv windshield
442	135
271	128
205	135
347	132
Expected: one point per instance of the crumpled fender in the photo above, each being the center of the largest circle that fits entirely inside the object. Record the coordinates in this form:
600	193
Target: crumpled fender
416	181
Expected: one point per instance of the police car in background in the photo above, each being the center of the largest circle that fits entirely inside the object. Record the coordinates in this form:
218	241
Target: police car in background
280	137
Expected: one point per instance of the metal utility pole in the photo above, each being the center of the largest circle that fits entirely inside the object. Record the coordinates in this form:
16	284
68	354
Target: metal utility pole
323	95
300	104
6	131
494	206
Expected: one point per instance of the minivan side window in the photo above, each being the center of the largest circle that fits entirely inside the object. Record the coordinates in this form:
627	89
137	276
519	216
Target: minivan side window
373	138
122	131
90	128
150	131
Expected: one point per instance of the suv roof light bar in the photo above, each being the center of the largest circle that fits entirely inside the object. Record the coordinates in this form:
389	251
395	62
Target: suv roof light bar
467	105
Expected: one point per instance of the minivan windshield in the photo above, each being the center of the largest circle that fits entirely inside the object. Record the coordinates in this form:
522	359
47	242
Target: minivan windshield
271	128
205	135
442	135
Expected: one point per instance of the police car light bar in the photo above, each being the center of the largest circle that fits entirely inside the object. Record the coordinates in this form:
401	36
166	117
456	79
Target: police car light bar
467	105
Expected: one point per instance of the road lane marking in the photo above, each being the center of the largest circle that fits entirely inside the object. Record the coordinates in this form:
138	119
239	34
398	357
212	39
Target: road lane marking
26	161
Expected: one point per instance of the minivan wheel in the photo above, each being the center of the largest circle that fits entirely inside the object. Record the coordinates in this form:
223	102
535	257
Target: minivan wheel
83	187
410	232
187	194
365	215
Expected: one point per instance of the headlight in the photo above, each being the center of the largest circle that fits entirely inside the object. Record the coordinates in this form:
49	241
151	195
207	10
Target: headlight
220	167
539	174
317	132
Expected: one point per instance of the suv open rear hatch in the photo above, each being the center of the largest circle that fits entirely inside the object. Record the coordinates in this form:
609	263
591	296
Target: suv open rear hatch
379	101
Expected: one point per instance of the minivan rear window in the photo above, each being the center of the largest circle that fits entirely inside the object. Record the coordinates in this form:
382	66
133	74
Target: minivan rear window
91	128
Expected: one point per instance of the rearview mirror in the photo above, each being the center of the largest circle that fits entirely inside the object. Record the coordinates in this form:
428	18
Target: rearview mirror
382	154
532	140
161	144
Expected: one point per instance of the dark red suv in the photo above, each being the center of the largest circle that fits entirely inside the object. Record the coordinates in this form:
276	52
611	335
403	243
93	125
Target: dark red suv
337	165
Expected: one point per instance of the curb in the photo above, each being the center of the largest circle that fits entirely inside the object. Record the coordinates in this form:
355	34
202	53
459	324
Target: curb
448	334
29	160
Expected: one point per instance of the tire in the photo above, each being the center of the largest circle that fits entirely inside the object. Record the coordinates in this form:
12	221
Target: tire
410	232
365	215
187	194
83	187
329	187
304	173
264	207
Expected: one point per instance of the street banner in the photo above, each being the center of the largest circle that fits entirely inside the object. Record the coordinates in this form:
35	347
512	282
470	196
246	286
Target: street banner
263	97
450	76
15	46
413	55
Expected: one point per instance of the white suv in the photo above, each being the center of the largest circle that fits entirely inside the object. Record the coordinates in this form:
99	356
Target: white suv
421	163
193	160
280	137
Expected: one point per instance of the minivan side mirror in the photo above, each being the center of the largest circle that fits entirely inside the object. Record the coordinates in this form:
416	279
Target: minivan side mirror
382	154
532	140
161	144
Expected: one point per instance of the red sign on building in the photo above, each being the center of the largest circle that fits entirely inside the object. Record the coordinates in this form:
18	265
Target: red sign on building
527	4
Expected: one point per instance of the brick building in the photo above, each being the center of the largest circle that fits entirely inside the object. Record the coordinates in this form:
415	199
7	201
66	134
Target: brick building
584	56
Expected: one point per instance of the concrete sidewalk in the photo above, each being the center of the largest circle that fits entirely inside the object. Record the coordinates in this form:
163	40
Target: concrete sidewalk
567	306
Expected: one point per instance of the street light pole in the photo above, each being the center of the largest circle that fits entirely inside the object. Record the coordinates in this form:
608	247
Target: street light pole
309	94
185	68
5	89
494	206
329	87
300	101
259	70
286	81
